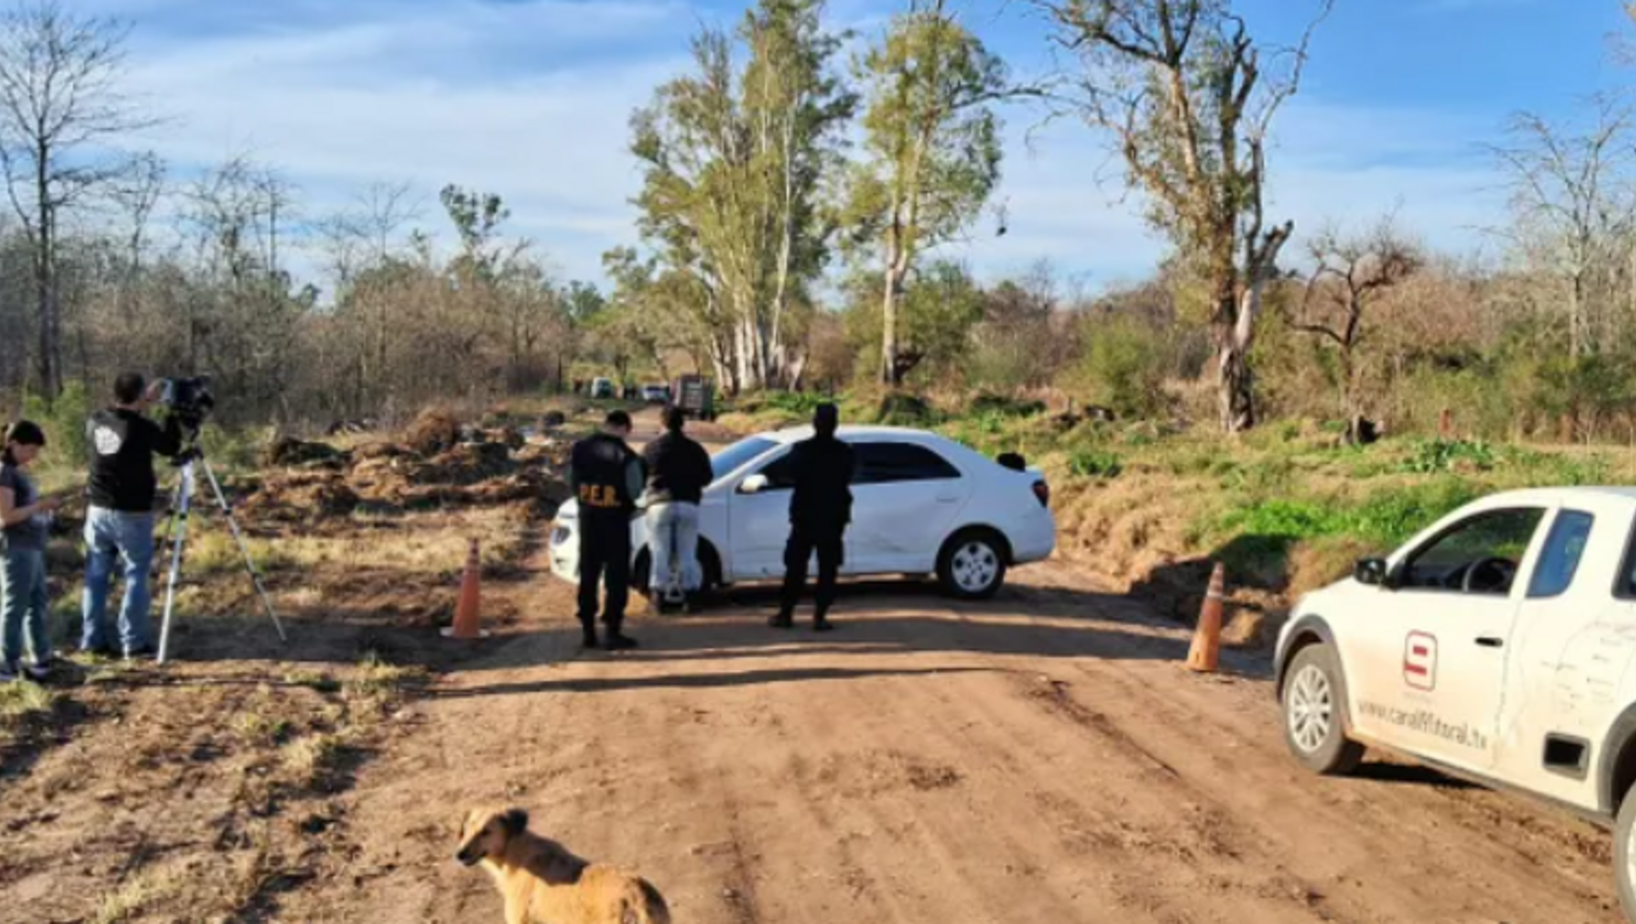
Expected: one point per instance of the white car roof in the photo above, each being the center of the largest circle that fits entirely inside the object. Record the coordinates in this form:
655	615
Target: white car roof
1586	496
797	434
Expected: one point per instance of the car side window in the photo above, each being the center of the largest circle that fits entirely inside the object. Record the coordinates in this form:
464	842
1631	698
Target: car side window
890	463
780	473
1480	555
1559	561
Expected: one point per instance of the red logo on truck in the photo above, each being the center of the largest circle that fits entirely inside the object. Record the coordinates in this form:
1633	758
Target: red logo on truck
1420	661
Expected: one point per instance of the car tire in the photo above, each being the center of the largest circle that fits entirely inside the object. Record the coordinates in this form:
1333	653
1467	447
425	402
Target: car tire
972	565
1624	854
1314	705
709	566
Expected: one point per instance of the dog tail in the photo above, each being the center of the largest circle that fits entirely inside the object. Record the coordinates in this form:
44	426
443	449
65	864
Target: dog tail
646	906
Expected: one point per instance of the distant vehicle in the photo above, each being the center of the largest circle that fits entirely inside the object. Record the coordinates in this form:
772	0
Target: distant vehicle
603	388
1499	644
923	504
696	396
656	394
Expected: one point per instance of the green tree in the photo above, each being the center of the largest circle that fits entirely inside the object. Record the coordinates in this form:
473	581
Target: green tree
734	161
934	152
942	305
1188	97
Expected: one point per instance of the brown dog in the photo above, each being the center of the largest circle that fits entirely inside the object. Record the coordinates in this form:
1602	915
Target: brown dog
545	884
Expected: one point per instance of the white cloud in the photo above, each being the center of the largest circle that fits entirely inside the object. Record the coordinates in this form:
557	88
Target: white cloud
532	100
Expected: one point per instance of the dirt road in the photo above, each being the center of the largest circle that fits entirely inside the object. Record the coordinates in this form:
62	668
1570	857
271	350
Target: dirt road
1039	758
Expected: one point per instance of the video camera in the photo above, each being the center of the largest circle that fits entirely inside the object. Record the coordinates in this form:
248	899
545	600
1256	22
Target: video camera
189	400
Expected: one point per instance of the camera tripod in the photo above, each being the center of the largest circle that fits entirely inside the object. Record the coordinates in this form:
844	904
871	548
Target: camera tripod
176	538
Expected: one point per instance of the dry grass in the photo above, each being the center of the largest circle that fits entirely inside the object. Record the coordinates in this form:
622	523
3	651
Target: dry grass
257	729
146	890
309	761
381	682
21	701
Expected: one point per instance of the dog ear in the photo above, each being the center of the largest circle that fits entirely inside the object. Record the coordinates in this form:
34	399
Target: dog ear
515	821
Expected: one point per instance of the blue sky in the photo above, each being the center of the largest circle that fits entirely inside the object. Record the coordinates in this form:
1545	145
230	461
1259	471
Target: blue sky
530	99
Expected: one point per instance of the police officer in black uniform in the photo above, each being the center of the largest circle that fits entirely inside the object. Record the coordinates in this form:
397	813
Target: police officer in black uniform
606	477
820	509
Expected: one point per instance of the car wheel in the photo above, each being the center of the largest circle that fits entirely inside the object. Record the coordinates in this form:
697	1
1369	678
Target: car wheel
1314	698
1624	854
972	565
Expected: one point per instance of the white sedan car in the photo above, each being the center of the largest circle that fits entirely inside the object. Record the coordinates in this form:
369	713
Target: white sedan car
1499	644
922	504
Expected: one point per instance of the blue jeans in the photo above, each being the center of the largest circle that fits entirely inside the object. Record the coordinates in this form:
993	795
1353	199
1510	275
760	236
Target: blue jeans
23	600
114	536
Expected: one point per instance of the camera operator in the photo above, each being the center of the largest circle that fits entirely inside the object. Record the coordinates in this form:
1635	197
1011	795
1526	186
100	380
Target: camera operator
119	524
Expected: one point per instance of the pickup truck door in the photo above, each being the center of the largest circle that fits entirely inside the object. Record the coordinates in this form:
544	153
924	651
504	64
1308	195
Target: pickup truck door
1428	666
1566	660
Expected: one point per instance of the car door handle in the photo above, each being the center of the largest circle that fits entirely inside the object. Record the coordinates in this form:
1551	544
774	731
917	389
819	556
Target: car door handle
947	498
1489	641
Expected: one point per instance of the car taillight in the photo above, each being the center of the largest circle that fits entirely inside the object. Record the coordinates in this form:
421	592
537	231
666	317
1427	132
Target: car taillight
1042	491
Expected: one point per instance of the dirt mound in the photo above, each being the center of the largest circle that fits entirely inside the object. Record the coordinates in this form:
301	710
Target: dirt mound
288	452
434	431
465	465
492	467
301	496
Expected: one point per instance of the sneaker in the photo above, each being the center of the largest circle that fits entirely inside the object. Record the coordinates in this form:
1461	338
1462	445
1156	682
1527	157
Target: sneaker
694	606
782	621
589	641
619	641
39	673
822	624
100	651
141	653
9	674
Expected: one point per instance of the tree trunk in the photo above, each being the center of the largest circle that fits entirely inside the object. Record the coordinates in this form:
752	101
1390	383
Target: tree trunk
1234	383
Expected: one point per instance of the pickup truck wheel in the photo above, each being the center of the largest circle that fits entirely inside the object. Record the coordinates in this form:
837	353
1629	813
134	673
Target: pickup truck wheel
1314	698
1624	854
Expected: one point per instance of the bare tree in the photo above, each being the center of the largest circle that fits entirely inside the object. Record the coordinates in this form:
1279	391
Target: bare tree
60	112
1352	272
1572	197
1188	97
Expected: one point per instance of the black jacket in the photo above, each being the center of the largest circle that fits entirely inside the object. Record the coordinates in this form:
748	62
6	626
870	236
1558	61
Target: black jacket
821	469
605	476
122	446
678	470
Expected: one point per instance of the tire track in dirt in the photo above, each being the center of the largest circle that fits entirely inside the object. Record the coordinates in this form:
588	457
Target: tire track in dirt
1136	684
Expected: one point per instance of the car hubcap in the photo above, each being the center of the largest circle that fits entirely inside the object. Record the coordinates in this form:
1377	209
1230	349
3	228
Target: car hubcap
975	566
1311	709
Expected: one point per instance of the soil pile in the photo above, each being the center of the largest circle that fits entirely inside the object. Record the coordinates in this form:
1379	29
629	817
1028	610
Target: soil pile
436	464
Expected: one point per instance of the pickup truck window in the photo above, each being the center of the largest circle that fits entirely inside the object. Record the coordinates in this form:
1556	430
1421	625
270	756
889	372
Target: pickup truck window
1479	555
1559	561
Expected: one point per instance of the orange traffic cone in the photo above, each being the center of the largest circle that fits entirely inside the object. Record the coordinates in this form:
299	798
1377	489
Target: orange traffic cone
466	616
1206	651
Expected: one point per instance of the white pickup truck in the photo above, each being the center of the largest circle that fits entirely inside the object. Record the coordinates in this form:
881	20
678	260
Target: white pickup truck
1499	644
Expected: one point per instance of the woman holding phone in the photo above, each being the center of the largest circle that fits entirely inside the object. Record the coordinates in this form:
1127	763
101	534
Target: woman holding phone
25	520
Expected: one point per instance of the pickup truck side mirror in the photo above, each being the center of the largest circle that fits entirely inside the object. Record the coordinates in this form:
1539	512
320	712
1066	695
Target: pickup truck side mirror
754	484
1372	572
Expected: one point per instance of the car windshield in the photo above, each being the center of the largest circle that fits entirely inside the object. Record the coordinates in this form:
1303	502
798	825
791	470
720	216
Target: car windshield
734	457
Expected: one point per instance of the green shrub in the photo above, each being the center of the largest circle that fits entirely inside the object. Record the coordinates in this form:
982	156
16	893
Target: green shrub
64	423
1094	463
988	405
1124	368
1434	456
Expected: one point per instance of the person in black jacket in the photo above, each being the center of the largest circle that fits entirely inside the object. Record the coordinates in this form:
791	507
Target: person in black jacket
678	472
119	523
606	478
820	510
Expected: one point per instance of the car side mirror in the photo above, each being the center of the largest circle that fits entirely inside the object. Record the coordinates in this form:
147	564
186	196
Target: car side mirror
1372	572
754	484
